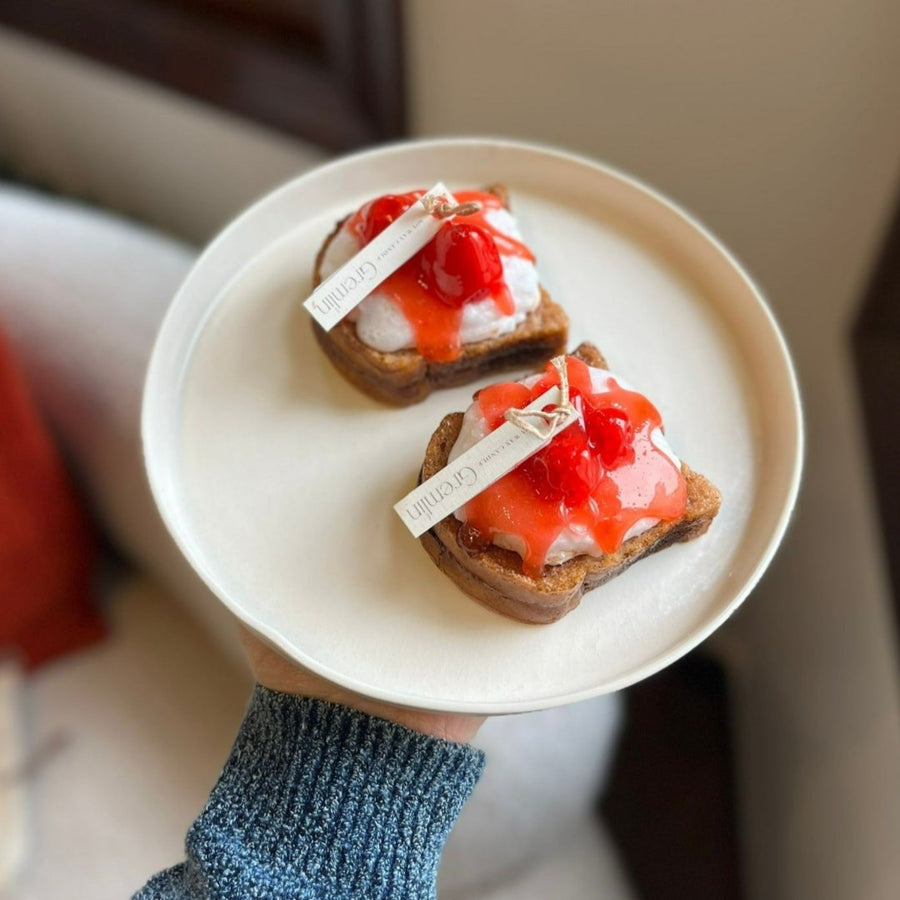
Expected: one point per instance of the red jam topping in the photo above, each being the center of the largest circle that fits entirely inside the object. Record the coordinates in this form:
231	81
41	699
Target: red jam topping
599	476
461	265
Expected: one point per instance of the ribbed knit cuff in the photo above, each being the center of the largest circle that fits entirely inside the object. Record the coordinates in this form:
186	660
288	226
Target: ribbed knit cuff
321	795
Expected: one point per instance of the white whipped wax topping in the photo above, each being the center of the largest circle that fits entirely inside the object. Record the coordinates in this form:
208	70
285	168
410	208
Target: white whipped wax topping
571	541
381	325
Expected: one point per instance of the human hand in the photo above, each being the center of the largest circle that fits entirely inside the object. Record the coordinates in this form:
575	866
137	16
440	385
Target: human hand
275	671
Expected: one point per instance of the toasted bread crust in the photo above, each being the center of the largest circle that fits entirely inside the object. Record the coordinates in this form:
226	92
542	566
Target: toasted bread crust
494	576
405	377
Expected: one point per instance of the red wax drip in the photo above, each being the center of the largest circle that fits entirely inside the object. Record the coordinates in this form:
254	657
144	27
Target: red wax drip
636	482
435	325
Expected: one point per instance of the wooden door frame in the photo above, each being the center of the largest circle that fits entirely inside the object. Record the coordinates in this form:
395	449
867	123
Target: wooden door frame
329	72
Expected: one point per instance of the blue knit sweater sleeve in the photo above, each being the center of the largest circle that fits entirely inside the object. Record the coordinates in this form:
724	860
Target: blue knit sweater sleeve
321	801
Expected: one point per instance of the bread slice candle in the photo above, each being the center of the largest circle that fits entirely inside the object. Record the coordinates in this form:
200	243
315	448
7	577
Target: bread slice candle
605	492
469	304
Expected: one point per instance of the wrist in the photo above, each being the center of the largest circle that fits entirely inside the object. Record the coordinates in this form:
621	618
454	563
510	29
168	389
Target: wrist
274	671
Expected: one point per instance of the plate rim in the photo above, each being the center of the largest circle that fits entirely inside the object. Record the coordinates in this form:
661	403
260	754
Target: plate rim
409	699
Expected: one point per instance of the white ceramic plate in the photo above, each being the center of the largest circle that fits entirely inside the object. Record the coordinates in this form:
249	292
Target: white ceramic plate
277	478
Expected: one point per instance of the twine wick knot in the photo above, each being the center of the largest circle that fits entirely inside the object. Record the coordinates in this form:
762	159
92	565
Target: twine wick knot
543	423
441	208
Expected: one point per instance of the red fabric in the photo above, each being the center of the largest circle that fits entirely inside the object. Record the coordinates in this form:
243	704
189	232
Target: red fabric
48	550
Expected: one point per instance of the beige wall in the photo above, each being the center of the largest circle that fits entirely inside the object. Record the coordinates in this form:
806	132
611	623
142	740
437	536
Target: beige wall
778	125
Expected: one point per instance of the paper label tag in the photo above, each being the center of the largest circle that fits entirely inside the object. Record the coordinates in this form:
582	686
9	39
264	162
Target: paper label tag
358	277
479	467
